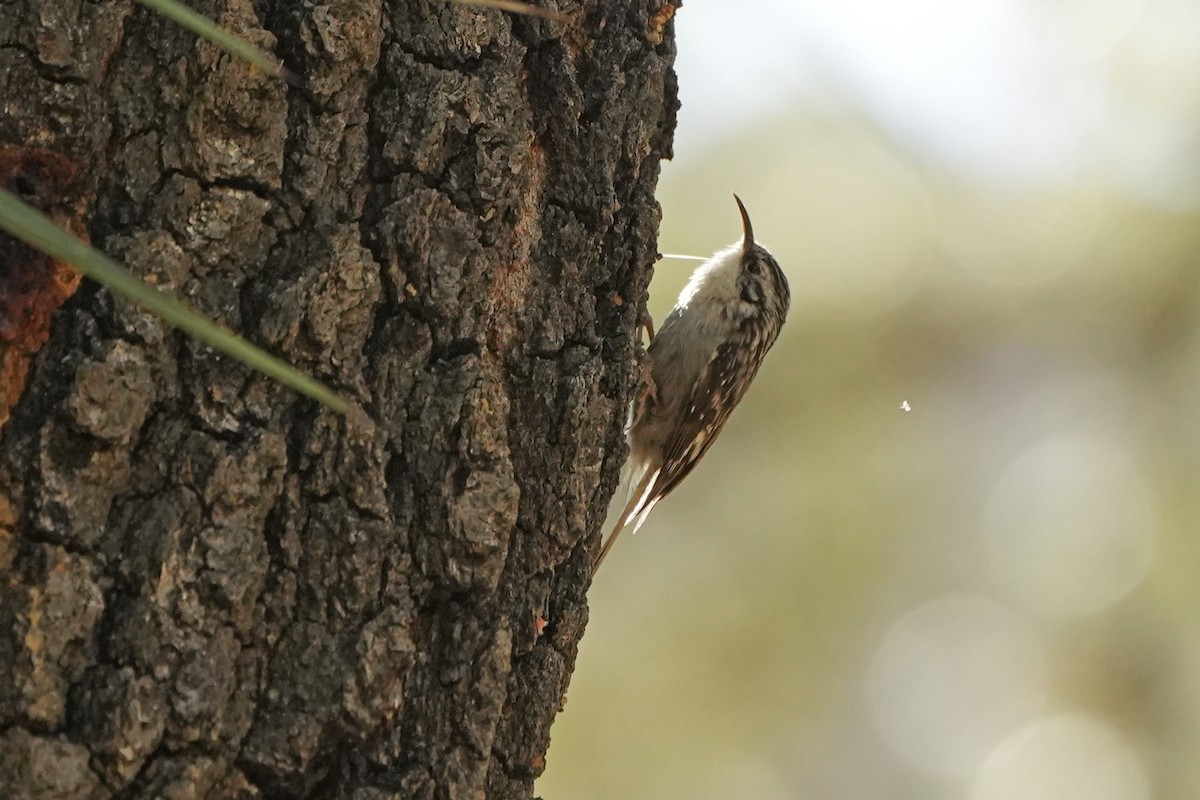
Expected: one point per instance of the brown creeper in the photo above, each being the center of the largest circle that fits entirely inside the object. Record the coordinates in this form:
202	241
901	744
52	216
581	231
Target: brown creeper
701	363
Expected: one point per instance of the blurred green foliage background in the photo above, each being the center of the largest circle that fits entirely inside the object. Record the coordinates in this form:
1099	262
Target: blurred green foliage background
989	212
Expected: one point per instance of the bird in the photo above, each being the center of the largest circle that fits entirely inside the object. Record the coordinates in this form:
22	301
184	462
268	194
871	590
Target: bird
700	364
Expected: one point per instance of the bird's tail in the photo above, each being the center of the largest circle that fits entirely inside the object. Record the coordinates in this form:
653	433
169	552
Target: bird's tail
641	501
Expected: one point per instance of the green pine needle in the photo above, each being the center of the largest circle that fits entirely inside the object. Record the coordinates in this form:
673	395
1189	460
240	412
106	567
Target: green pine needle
205	28
37	230
515	7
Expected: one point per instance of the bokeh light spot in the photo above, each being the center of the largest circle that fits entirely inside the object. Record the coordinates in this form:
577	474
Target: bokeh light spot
1072	757
1071	526
951	679
1013	240
845	265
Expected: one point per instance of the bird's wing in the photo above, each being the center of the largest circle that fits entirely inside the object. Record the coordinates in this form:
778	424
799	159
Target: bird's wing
715	395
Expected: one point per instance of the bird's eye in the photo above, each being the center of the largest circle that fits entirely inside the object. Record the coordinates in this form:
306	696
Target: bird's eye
752	266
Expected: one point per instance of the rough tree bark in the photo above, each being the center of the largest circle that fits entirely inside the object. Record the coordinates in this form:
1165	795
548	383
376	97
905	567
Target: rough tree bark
211	587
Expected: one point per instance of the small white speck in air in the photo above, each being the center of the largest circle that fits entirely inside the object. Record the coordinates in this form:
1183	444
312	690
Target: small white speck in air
905	407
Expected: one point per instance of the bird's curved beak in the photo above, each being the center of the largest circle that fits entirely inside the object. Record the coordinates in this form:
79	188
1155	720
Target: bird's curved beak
747	230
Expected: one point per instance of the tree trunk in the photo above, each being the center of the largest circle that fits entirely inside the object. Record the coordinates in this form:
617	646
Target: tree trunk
212	587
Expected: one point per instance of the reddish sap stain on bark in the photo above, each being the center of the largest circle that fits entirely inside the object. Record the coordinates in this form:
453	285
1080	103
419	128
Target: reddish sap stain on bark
33	285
